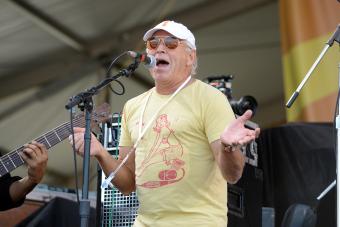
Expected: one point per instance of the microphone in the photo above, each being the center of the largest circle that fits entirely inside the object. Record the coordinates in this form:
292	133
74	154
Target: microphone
148	60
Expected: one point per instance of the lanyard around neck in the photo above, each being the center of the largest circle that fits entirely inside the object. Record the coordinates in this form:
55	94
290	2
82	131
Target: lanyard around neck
140	125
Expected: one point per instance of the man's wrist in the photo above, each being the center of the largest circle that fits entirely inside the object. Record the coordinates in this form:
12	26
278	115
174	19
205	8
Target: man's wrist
30	182
102	154
228	148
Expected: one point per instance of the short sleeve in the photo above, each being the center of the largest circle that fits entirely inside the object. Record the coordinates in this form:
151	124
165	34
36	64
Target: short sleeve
125	138
217	114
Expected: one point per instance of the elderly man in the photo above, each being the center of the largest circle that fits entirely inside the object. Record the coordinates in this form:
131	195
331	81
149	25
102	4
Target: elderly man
13	190
184	137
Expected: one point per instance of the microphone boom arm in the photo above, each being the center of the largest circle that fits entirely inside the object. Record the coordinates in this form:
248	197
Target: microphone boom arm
82	96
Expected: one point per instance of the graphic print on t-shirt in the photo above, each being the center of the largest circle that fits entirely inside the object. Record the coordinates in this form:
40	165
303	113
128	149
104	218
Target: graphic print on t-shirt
165	157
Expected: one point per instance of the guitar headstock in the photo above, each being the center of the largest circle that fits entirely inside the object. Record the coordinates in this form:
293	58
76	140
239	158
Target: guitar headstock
99	115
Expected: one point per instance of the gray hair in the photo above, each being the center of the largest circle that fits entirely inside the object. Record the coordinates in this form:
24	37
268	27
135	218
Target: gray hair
195	63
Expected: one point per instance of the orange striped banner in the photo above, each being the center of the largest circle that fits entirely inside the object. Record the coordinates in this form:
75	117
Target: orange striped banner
306	25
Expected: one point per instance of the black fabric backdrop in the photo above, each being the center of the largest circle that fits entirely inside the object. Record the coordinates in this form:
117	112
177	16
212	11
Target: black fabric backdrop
298	162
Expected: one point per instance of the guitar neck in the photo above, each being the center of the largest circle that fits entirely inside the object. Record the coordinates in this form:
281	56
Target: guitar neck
12	160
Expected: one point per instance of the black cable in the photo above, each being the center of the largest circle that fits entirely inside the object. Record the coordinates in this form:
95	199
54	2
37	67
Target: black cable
113	61
108	75
122	86
74	156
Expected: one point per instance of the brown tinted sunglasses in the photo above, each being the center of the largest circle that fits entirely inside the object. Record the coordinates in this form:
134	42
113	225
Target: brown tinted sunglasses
169	41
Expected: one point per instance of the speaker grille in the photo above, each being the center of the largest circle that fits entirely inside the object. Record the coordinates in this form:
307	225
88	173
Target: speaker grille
116	209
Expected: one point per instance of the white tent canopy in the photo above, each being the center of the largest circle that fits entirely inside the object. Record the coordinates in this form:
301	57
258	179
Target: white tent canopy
51	50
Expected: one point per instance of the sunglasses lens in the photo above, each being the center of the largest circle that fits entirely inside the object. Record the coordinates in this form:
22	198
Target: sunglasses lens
153	43
170	42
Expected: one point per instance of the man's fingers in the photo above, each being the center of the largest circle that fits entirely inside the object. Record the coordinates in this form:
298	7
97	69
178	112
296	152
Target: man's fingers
78	144
247	139
257	132
40	145
77	129
77	136
39	148
26	156
80	149
29	150
78	140
246	116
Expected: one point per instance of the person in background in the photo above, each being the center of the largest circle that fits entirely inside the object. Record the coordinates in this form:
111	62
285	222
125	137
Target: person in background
182	139
13	190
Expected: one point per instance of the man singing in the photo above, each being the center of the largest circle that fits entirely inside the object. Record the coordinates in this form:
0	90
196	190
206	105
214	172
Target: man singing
184	137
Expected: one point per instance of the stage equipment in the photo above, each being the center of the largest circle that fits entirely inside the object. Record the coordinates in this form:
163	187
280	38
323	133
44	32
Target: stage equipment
224	84
335	37
33	210
245	197
299	215
45	193
298	162
114	208
57	212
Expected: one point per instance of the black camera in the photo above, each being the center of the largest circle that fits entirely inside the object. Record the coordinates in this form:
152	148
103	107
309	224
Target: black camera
224	84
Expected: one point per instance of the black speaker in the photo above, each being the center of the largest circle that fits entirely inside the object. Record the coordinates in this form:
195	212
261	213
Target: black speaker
113	208
245	199
55	213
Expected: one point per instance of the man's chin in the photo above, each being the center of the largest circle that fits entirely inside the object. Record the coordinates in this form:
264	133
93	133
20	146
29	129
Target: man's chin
160	75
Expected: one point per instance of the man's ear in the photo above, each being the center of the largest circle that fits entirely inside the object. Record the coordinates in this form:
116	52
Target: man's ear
191	58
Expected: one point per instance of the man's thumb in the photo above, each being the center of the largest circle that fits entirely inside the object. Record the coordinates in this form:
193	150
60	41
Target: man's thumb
246	116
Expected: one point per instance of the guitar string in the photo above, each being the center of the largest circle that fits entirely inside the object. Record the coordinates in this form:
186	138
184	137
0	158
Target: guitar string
50	138
14	158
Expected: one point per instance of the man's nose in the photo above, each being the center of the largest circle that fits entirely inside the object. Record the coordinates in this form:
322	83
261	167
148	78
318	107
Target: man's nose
161	47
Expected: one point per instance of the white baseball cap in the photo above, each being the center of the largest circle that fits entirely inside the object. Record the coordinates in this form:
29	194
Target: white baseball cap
176	29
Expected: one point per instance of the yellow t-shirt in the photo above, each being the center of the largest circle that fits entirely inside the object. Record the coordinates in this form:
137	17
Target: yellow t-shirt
177	179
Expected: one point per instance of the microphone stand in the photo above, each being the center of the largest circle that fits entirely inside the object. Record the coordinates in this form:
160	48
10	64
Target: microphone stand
85	102
335	37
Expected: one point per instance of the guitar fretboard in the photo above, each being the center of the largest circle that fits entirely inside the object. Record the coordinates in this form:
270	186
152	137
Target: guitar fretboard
12	160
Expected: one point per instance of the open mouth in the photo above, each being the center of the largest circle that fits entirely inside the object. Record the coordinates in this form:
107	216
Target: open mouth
162	62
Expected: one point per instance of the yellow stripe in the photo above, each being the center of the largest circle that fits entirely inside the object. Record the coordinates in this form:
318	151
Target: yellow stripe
303	20
324	79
